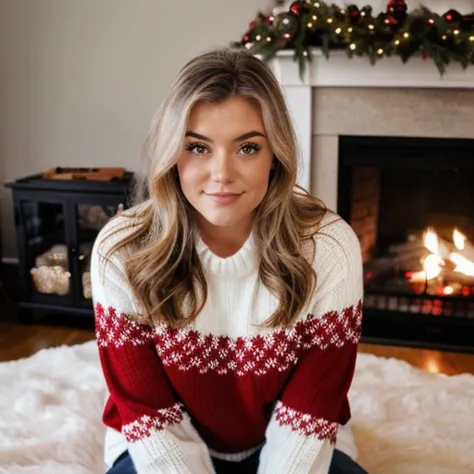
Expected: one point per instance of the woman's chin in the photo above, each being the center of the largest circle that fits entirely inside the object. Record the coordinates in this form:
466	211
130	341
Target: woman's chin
222	219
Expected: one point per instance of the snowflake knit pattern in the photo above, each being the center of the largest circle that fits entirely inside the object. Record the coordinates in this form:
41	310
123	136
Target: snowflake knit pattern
225	385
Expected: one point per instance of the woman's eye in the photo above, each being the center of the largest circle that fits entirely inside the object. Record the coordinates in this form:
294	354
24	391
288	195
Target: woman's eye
197	148
250	148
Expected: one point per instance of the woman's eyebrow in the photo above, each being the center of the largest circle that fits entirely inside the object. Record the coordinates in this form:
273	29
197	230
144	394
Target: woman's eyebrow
245	136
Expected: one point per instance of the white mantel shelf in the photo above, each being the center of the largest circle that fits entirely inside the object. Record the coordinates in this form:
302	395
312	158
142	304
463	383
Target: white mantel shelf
341	71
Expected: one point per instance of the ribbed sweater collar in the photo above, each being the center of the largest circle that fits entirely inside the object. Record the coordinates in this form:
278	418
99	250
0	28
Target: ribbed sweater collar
238	265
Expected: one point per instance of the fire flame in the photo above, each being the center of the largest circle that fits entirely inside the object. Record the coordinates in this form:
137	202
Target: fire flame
440	255
431	241
432	266
459	239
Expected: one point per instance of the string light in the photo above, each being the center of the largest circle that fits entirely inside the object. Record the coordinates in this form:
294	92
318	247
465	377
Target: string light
258	37
371	27
431	21
456	32
349	29
309	25
406	35
338	31
315	17
343	11
397	42
305	53
316	5
471	38
286	21
269	39
329	20
352	46
287	36
443	37
380	51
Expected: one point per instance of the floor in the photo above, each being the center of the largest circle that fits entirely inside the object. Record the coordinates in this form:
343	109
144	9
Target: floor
18	341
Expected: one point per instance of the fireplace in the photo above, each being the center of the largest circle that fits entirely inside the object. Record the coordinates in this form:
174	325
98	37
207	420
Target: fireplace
411	203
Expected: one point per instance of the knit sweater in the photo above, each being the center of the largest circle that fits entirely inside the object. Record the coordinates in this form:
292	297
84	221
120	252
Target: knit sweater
225	385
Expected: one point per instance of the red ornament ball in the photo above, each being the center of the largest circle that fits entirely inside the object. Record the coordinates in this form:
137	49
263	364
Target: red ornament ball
354	13
393	5
452	16
270	19
300	7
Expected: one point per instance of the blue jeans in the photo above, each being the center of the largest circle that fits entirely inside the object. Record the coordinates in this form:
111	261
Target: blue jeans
340	464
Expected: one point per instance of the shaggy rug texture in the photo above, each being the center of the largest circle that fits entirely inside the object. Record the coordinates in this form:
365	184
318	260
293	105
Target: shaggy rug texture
405	421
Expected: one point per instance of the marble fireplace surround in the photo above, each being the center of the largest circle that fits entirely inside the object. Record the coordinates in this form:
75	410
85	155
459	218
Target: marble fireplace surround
350	97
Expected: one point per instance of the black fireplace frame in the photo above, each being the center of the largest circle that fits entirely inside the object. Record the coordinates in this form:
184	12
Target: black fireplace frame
388	326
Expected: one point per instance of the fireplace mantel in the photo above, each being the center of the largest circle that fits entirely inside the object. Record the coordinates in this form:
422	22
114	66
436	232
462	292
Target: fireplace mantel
341	72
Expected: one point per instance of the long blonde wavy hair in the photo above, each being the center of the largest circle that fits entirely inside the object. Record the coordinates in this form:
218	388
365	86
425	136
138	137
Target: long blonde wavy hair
164	269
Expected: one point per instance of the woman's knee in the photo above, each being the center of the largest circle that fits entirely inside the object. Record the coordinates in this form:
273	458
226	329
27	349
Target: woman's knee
123	465
342	464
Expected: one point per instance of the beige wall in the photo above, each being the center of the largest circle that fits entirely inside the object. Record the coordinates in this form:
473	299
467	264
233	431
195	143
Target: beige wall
81	79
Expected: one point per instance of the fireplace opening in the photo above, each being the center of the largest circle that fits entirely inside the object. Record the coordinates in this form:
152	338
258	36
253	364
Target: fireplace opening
411	203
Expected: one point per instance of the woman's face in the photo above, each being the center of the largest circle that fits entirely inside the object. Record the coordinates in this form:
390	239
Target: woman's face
225	164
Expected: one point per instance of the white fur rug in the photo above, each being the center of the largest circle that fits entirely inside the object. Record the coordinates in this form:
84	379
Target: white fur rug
406	421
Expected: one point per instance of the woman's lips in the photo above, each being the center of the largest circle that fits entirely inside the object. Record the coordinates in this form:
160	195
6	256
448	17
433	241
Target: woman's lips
224	198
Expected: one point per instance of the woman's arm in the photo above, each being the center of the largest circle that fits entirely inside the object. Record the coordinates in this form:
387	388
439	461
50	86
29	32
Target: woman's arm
161	438
302	431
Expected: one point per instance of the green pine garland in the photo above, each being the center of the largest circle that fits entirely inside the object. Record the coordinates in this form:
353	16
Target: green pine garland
308	25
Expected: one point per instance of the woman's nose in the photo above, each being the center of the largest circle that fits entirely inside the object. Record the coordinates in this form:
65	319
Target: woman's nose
222	170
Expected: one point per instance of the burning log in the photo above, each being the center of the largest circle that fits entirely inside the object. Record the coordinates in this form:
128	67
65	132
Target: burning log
407	247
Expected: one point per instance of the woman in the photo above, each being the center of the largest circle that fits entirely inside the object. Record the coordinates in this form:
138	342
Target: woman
228	305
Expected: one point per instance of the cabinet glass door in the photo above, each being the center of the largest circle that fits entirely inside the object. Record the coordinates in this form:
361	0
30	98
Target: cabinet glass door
46	251
90	220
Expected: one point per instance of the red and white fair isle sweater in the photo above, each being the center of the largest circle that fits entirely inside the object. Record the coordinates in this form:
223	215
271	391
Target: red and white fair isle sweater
225	386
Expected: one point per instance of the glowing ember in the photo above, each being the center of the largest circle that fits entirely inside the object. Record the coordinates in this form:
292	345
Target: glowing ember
448	290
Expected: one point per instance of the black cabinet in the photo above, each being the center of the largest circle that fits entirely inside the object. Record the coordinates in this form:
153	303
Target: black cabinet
56	225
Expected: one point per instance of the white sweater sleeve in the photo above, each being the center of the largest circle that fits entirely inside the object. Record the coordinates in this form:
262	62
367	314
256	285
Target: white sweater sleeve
141	405
302	430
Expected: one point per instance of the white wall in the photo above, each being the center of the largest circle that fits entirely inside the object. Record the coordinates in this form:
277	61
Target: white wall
81	79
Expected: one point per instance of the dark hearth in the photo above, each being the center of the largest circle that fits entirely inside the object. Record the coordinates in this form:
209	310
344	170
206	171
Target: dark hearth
411	203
